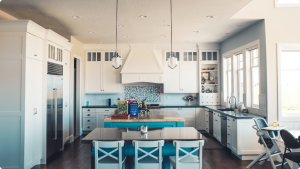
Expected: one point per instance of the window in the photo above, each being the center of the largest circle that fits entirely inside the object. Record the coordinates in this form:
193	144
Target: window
287	3
240	77
289	84
254	77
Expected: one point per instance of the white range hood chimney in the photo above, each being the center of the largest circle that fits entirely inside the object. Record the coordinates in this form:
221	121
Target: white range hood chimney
142	65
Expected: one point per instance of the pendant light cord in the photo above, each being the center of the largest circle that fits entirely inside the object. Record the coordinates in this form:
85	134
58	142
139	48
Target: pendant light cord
171	30
117	28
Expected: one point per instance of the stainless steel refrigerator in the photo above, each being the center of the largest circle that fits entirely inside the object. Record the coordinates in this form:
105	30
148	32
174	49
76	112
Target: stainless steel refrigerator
54	108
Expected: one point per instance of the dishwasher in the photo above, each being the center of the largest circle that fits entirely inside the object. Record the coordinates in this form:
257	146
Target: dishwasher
224	130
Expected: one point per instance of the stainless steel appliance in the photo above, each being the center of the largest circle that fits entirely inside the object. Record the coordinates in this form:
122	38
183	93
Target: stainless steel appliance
54	108
224	130
211	122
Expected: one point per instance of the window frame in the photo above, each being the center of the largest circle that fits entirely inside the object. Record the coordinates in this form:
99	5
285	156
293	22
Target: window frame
284	47
251	75
287	5
247	99
237	75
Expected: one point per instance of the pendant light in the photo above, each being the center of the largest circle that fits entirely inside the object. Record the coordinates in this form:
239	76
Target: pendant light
172	61
116	60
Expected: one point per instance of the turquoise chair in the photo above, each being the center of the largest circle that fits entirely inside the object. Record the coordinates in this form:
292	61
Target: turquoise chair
189	160
148	160
108	160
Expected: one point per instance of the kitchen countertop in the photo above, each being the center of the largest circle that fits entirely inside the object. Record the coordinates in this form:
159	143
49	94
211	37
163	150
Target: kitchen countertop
155	115
214	108
168	134
232	113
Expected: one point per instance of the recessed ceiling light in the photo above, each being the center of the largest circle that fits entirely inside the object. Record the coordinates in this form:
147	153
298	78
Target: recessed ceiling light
143	16
125	36
195	31
209	17
75	16
91	32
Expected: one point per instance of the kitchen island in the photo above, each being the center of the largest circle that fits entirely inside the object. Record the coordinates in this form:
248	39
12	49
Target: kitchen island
128	135
156	118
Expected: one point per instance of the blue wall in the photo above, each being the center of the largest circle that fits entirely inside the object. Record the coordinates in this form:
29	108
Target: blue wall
250	34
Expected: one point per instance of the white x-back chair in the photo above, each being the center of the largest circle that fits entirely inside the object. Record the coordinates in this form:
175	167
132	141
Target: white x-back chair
148	160
188	160
108	160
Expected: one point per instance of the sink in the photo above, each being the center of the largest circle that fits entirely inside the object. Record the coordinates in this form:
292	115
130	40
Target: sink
226	109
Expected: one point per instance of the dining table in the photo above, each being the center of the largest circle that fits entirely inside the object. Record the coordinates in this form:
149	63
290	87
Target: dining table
129	134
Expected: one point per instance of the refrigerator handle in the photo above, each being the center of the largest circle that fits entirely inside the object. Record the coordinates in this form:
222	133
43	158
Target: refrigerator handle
55	113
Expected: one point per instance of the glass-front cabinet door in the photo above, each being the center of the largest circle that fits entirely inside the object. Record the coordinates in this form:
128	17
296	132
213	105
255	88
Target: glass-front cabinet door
209	56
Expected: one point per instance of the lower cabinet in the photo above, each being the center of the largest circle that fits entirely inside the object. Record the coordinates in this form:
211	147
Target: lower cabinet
241	137
188	114
94	117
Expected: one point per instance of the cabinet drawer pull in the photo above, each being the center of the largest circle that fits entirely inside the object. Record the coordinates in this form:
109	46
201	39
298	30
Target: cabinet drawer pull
88	120
216	120
228	126
88	110
206	121
106	110
35	55
88	115
228	143
88	127
228	134
66	63
233	120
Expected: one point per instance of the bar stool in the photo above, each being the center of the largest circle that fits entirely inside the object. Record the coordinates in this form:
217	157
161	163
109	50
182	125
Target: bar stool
290	143
188	160
108	160
148	160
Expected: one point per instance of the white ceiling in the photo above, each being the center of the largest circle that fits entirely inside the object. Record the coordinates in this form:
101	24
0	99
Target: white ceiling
99	16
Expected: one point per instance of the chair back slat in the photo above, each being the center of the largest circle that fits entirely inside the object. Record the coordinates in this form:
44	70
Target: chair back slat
148	144
110	144
187	143
289	140
260	123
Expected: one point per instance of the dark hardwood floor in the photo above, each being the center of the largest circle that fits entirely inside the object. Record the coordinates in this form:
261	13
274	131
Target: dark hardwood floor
77	156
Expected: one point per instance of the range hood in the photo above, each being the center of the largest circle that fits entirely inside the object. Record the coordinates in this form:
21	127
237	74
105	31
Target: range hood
142	65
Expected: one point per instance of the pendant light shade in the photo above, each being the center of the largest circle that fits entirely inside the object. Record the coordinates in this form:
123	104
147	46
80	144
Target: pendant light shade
116	60
172	61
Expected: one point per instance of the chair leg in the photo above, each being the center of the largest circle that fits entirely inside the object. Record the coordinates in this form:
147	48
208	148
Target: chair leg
282	163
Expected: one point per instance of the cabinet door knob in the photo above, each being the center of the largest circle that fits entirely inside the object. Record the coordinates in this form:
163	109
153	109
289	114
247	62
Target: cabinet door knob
35	55
88	120
106	110
88	115
228	143
228	134
206	121
88	110
65	63
228	126
88	127
216	120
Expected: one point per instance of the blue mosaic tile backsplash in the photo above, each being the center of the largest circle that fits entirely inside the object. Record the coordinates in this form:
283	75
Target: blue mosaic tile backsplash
152	93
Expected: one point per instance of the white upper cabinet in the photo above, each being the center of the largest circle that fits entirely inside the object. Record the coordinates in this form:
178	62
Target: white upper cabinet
66	58
34	47
184	77
100	76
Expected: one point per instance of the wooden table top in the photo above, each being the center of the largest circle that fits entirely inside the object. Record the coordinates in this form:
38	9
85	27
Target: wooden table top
155	115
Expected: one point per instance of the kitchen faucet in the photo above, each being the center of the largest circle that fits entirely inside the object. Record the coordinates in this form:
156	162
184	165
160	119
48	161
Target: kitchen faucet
234	101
